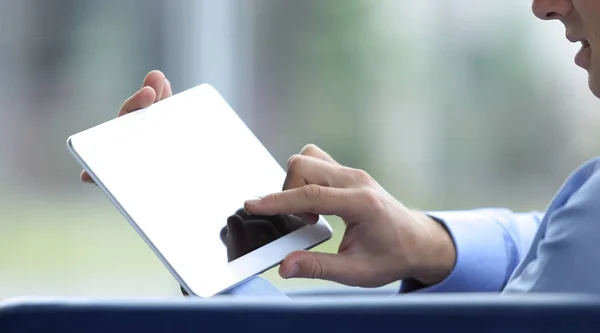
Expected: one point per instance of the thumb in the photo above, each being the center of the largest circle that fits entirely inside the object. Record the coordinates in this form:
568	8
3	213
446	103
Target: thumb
316	265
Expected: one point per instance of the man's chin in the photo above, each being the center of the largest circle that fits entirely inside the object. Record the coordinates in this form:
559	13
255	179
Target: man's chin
594	83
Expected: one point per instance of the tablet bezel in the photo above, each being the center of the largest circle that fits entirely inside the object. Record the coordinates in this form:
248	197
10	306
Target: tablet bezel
235	272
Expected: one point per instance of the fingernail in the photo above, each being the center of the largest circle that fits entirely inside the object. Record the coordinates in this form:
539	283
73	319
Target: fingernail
253	201
293	271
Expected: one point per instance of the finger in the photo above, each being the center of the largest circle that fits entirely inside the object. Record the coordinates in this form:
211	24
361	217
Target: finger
86	178
314	151
316	265
304	170
349	204
292	181
167	92
159	90
143	98
155	80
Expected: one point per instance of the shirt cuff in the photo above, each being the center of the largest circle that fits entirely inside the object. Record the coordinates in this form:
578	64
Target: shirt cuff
481	254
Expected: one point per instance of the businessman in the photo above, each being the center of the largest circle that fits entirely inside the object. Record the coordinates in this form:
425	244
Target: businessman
482	250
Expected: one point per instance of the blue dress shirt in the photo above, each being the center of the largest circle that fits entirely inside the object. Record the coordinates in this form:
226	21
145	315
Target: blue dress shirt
498	250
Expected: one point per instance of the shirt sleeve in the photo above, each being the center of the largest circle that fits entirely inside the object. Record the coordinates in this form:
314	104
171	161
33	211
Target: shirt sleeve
566	259
489	243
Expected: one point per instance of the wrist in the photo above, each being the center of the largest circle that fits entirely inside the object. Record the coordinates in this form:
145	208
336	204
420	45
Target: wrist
436	253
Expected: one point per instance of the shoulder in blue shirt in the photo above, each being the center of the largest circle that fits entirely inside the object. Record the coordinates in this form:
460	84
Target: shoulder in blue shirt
565	254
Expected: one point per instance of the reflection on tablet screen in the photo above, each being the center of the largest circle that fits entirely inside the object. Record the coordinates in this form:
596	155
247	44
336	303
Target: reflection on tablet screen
244	233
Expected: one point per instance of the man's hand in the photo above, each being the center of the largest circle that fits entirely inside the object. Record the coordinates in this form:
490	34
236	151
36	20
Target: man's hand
383	241
154	88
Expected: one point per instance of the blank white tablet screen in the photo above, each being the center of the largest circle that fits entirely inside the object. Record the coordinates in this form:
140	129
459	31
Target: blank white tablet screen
177	170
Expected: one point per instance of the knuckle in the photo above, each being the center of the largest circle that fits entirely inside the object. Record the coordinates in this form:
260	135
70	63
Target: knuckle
362	177
316	270
273	198
294	162
311	191
372	200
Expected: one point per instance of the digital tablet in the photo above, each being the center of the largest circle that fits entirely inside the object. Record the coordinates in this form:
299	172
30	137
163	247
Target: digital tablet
179	171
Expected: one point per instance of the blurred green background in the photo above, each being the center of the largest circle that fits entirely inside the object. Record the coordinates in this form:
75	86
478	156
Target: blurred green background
450	104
